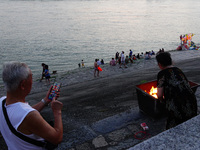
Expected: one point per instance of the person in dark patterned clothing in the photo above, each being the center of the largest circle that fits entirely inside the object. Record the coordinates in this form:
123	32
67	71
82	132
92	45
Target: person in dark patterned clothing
174	90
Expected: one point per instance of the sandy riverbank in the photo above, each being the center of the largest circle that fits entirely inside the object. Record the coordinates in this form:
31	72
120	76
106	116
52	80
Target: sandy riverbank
80	75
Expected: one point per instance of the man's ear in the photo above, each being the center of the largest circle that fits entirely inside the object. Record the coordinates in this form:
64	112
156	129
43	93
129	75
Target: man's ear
22	84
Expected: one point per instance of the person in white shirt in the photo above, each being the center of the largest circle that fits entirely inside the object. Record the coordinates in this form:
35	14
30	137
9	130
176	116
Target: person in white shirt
123	60
98	62
25	119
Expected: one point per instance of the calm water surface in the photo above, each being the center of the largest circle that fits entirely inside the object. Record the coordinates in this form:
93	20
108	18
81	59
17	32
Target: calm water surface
62	33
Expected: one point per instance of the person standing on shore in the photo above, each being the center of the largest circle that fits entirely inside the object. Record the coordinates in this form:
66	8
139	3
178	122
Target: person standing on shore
174	90
43	69
82	63
96	68
47	74
181	39
123	60
130	53
24	119
116	56
98	62
119	60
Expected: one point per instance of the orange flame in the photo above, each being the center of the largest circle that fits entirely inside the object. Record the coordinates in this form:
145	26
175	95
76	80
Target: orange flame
153	92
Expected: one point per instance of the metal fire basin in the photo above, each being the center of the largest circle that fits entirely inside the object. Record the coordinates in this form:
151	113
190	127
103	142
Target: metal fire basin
149	104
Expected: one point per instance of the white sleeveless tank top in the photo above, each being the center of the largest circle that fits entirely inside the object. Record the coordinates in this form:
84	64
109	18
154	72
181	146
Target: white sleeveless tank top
16	113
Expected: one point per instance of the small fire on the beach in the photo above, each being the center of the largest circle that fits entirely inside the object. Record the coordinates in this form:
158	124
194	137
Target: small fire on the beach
153	92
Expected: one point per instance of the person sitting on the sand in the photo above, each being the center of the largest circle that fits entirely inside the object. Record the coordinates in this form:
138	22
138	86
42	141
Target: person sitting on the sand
142	55
112	62
138	56
134	57
147	56
152	52
126	60
160	51
119	60
102	62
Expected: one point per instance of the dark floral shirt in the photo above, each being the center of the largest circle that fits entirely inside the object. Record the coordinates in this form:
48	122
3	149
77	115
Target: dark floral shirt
178	96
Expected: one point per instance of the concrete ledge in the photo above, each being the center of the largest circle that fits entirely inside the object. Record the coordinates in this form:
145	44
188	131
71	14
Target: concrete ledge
182	137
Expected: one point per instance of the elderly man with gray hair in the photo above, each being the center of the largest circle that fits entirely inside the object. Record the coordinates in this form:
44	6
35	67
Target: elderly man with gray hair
21	125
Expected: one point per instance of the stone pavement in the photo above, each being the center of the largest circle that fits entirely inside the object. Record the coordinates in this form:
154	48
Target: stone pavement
113	133
182	137
118	133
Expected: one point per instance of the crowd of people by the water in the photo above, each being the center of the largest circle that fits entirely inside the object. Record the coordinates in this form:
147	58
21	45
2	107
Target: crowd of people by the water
121	59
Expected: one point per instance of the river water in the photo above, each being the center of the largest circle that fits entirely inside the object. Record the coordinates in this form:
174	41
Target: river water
62	33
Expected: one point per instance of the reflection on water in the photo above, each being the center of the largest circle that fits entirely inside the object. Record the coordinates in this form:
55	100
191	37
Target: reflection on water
62	33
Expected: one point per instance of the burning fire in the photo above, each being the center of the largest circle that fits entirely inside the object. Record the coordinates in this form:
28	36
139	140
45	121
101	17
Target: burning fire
153	92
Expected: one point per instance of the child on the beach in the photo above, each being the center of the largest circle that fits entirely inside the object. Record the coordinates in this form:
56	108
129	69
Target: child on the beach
83	65
47	74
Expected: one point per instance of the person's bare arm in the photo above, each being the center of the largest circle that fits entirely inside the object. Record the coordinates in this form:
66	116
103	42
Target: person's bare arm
40	105
35	124
160	93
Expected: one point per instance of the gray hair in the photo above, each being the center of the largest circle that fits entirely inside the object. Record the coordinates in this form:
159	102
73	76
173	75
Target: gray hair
13	73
